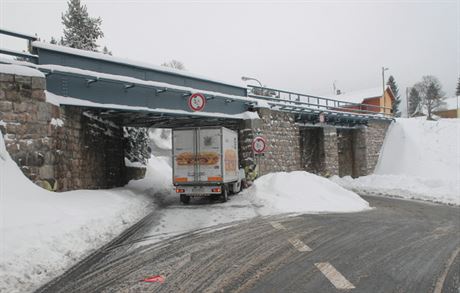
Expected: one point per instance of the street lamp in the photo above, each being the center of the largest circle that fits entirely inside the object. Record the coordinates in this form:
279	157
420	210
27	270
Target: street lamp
246	78
383	88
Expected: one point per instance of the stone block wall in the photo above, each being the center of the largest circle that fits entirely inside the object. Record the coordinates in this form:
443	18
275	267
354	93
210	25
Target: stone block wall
283	142
345	151
58	148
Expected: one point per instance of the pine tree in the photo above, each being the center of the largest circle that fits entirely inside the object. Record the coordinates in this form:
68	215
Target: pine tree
394	88
137	144
106	51
458	88
80	30
414	102
53	41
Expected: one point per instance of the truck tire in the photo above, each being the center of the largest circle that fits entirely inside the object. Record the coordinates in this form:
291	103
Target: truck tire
185	199
224	194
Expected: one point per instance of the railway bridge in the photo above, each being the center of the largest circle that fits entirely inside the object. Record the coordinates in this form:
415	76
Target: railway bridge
63	112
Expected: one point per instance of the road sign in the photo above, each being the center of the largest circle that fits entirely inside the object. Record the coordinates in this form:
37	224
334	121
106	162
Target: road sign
259	144
196	102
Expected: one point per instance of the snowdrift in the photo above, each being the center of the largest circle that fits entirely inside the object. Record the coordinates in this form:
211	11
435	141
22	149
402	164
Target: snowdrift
302	192
42	233
420	159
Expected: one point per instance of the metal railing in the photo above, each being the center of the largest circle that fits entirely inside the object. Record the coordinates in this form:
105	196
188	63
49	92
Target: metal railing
28	38
289	99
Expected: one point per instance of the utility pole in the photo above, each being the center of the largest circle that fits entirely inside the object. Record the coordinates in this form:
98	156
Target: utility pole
383	89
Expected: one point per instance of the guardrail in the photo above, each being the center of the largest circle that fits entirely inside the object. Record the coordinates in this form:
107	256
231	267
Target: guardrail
276	96
28	38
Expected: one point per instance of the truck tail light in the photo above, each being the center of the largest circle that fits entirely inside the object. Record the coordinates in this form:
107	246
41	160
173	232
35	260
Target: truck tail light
180	190
217	189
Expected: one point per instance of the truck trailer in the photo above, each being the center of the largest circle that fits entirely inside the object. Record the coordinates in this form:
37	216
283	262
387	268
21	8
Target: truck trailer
205	162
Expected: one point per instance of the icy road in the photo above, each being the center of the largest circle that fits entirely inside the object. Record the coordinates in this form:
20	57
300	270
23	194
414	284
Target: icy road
399	246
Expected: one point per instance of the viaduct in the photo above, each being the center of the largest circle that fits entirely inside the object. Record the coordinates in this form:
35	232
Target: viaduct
62	113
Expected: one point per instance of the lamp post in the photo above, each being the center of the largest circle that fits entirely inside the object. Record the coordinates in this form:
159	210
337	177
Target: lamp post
383	89
246	78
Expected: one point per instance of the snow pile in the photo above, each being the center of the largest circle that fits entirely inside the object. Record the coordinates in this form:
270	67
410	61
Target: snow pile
420	159
302	192
43	233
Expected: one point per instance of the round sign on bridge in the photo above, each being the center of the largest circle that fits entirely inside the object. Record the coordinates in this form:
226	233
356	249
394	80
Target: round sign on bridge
259	145
196	102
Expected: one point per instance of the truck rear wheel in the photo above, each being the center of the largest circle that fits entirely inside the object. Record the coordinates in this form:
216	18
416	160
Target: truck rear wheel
224	194
185	198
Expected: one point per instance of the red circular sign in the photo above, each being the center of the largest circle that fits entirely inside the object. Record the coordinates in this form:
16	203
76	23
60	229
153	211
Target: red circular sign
196	102
259	144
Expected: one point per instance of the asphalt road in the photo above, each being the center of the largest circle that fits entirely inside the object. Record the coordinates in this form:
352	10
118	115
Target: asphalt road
400	246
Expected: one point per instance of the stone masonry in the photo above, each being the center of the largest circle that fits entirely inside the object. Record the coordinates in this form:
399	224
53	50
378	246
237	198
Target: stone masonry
58	148
282	135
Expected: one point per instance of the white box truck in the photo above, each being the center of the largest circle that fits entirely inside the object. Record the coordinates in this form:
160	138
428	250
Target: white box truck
205	162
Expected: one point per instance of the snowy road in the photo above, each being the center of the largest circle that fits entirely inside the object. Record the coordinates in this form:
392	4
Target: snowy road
400	246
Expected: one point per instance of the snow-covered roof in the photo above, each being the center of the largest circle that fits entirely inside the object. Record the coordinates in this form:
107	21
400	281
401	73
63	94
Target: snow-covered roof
360	95
20	70
109	58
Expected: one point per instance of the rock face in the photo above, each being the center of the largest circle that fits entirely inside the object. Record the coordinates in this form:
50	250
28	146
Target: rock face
59	148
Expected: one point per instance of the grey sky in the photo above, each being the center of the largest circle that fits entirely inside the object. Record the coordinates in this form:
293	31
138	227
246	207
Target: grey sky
296	45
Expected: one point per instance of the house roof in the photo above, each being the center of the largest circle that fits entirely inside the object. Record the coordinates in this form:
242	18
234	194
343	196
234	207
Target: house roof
360	95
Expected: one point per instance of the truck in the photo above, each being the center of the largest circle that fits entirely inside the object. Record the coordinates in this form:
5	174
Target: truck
205	163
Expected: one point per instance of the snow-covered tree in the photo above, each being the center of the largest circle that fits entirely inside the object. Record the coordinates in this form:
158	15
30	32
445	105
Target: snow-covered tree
458	87
174	64
106	51
414	102
53	41
80	30
431	93
136	144
394	88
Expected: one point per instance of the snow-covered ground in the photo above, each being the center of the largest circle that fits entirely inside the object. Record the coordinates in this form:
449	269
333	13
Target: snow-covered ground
420	159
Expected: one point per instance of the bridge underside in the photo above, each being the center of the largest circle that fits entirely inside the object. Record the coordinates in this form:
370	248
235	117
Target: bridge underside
161	120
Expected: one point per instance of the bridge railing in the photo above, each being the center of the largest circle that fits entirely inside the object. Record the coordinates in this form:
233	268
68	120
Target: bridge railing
276	96
28	38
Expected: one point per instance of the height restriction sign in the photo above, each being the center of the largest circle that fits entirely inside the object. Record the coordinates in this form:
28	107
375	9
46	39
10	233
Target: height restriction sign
196	102
259	144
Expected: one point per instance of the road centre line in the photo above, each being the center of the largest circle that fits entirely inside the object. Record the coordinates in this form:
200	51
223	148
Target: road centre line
299	245
334	276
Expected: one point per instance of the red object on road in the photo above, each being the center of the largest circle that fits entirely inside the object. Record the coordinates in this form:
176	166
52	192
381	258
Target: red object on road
154	279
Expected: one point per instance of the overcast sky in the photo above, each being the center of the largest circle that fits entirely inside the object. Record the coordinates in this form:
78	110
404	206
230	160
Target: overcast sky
294	45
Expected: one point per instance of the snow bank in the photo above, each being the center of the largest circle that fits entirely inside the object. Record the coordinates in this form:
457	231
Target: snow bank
419	159
43	233
302	192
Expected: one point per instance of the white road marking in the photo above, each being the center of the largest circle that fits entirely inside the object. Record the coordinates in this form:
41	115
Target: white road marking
277	226
334	276
299	245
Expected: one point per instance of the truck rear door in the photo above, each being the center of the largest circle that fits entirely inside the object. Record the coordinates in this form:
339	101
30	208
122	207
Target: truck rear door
209	155
184	155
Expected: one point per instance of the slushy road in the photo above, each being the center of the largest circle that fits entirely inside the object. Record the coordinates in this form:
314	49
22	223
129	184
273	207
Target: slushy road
399	246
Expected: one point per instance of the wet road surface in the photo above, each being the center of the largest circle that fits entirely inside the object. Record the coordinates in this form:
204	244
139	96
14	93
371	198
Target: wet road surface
399	246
